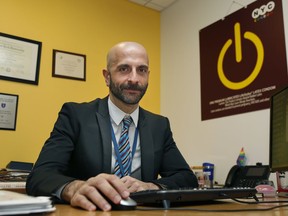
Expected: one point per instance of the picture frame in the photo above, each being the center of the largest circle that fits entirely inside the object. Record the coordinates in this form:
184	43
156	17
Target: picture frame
69	65
8	111
19	59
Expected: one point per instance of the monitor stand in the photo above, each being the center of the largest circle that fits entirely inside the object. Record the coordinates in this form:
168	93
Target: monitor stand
282	187
283	194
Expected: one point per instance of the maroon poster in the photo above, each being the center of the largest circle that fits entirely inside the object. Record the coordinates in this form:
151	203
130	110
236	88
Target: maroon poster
243	60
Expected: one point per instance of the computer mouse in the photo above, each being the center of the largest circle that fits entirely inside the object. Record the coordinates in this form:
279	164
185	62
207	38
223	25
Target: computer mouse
125	204
266	190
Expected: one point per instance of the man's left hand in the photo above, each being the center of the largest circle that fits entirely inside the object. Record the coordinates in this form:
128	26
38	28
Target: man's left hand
135	185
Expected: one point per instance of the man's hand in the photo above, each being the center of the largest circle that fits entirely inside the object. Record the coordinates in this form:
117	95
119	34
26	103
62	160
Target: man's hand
92	194
134	185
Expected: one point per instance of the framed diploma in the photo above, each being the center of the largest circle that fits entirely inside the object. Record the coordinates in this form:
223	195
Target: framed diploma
69	65
19	59
8	111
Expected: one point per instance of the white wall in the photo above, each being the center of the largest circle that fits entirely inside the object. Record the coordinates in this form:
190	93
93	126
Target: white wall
219	140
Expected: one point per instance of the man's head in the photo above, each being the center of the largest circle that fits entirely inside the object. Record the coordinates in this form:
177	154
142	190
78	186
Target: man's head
127	74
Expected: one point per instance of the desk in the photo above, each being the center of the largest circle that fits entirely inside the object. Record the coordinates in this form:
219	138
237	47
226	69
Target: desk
66	210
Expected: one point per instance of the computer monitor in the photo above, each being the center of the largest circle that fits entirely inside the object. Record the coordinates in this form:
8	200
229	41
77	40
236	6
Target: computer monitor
278	159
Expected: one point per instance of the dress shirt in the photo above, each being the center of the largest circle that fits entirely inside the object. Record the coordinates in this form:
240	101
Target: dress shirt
116	116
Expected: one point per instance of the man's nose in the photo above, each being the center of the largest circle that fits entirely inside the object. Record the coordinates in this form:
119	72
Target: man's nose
133	76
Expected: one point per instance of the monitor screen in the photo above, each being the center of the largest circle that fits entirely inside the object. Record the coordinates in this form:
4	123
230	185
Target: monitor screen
278	159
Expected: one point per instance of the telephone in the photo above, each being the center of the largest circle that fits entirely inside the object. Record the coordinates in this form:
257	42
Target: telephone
247	176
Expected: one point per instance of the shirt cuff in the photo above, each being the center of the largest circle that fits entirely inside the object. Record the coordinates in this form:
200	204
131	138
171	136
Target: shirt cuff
59	191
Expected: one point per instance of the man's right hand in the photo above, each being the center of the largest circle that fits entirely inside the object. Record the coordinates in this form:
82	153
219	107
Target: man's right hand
95	192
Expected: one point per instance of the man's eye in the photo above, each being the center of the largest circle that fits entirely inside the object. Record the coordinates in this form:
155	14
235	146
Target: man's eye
123	69
143	70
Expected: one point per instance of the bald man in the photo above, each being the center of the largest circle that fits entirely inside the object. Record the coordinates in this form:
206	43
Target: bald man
80	162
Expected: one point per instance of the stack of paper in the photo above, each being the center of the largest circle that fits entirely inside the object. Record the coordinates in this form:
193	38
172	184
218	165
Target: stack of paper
13	179
12	203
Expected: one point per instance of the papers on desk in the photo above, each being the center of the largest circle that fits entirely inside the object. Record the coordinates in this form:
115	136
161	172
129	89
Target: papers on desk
12	185
12	203
13	179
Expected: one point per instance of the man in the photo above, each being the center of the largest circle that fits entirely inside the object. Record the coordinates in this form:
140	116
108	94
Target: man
80	161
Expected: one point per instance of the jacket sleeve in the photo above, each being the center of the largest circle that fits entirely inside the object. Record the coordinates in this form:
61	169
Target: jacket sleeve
51	170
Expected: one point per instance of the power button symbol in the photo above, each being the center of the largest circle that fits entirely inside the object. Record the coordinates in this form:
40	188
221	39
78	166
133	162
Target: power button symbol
238	54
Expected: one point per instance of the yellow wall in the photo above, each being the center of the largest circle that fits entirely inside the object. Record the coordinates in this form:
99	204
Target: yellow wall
87	27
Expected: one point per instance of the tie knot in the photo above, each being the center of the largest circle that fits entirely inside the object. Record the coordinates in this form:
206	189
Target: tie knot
127	120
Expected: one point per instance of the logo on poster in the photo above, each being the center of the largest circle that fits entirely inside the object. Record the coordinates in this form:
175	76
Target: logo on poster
263	12
238	53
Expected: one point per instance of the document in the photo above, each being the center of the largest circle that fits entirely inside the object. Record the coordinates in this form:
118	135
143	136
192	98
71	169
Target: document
8	110
13	203
18	58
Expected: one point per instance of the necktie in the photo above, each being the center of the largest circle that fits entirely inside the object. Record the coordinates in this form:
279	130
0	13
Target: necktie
124	149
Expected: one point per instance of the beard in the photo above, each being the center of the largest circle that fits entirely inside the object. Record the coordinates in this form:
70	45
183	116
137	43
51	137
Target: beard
117	91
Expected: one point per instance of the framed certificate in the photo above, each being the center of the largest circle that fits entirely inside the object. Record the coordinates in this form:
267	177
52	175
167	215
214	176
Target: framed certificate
69	65
8	111
19	59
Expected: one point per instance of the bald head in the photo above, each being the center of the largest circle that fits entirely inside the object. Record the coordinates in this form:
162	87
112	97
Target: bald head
125	48
127	75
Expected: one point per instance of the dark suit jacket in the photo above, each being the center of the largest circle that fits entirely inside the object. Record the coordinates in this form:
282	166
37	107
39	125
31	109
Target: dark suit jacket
80	147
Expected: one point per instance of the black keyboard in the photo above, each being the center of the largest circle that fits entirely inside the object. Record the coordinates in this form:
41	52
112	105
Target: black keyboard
167	197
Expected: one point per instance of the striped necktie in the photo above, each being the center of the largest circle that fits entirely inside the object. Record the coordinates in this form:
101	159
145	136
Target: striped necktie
124	148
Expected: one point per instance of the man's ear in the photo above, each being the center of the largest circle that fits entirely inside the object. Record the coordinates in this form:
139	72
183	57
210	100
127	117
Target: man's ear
106	75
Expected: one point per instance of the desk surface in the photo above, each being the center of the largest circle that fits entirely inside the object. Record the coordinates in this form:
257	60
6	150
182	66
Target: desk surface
63	210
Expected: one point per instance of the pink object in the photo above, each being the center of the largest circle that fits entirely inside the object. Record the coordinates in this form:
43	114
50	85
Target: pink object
266	190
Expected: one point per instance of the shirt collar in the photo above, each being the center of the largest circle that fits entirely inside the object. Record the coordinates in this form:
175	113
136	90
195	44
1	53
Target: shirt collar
117	115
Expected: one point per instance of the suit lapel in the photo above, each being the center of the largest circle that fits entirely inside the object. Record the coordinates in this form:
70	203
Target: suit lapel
147	149
105	128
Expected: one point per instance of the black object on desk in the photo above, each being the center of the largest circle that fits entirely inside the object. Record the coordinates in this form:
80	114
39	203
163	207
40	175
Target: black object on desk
167	197
17	165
